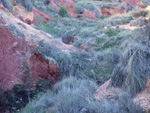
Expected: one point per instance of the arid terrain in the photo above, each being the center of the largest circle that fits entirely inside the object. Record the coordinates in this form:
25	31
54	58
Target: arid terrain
74	56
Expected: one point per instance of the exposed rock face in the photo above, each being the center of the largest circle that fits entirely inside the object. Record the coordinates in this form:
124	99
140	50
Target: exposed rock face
17	58
10	58
134	3
21	12
19	55
43	68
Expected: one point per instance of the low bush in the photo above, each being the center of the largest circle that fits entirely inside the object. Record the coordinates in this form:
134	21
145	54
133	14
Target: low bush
73	95
17	98
63	11
112	32
78	9
26	3
112	42
139	13
132	71
7	4
81	5
42	85
2	100
118	19
47	27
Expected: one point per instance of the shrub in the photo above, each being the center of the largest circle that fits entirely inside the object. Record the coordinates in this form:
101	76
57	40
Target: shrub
10	103
7	4
26	3
18	88
2	101
139	13
84	4
73	95
43	101
132	71
63	11
42	85
118	19
112	32
67	94
99	40
81	5
86	32
47	2
22	95
112	42
47	27
79	9
15	99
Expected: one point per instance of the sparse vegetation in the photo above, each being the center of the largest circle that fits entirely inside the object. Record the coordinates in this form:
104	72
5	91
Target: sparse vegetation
103	48
75	95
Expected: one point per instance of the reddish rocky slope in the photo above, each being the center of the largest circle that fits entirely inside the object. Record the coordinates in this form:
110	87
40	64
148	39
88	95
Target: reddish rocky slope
18	54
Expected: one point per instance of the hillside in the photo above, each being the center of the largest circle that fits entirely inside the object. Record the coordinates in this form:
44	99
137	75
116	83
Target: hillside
74	56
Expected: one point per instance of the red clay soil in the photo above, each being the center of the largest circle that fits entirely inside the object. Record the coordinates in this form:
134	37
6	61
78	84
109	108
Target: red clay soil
16	57
69	4
10	60
43	68
37	12
134	3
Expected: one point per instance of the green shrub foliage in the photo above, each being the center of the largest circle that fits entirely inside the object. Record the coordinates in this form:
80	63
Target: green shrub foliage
63	11
42	85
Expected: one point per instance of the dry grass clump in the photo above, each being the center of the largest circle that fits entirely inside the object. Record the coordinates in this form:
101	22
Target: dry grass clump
72	95
132	71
